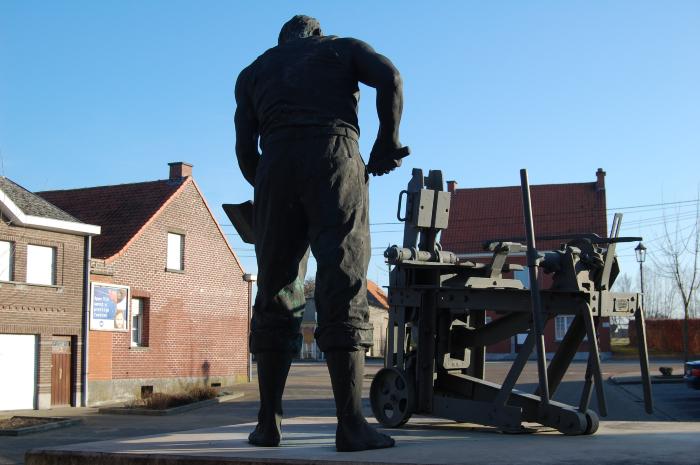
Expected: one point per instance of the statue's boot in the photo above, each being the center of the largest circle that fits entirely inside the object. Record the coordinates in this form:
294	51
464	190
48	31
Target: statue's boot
353	432
273	368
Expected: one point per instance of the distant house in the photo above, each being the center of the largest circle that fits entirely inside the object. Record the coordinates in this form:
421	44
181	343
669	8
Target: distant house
378	316
483	214
169	305
43	298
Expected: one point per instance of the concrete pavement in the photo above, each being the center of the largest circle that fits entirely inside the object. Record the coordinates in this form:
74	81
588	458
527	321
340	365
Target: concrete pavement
310	440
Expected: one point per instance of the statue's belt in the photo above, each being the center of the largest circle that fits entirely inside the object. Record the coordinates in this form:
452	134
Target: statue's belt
308	133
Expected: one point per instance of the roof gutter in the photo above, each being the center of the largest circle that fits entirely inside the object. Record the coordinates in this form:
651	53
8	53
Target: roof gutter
86	323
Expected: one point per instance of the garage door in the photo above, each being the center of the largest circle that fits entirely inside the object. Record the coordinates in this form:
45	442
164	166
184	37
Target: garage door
17	371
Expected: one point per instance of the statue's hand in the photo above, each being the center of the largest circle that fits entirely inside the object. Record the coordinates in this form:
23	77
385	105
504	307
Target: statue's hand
385	158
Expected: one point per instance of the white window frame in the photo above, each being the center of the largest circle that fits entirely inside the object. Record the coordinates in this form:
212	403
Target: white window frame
175	259
137	305
37	258
7	255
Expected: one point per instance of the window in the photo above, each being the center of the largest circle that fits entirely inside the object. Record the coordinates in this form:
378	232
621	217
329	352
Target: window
561	326
176	249
6	260
41	265
138	322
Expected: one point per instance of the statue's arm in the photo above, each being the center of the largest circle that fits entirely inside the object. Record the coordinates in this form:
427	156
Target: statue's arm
376	70
246	130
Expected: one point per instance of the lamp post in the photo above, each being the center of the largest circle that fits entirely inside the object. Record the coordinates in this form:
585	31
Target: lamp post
250	279
641	253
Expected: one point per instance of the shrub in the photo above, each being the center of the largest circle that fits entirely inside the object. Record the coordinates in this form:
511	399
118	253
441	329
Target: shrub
162	401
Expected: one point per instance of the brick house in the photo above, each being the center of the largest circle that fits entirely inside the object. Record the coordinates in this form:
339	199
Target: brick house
483	214
169	306
43	289
378	316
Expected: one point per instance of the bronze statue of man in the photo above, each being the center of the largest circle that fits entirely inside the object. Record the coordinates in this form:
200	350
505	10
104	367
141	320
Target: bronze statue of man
298	101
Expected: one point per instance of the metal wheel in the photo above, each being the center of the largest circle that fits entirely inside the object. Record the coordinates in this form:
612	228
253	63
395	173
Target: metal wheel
592	422
392	397
572	423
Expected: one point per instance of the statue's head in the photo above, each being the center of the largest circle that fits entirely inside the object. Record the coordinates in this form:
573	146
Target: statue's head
298	27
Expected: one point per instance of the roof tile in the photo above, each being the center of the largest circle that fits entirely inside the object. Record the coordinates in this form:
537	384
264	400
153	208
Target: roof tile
32	204
482	214
376	296
120	210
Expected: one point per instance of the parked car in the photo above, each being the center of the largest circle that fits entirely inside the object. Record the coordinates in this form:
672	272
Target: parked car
692	374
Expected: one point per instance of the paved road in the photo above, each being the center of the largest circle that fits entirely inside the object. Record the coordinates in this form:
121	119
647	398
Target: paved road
309	393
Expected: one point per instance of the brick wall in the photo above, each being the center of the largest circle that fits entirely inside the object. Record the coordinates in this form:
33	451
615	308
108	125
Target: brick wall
667	335
45	311
197	319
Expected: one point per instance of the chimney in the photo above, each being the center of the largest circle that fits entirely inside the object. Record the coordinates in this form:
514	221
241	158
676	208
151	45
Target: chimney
600	180
451	186
180	169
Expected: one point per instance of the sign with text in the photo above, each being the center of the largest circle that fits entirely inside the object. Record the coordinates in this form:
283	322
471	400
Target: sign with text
109	307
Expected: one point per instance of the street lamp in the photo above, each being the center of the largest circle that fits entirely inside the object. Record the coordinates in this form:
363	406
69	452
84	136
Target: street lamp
641	253
250	279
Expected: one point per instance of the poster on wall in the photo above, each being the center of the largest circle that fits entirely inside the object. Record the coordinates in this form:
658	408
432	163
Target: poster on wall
109	307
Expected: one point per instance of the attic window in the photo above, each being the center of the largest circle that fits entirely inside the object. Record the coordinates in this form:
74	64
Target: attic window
176	252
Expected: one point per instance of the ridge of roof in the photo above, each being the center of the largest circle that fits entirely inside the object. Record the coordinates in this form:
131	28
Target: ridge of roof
114	186
531	186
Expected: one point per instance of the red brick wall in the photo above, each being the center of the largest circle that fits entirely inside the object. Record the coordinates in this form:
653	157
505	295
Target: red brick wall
100	363
667	335
44	310
197	318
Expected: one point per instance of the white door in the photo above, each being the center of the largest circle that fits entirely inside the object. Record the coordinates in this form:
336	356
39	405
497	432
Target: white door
17	371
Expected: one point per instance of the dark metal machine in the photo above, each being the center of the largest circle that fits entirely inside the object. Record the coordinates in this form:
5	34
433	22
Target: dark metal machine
438	332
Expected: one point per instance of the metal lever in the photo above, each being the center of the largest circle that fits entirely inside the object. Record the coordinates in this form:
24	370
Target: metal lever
643	358
535	298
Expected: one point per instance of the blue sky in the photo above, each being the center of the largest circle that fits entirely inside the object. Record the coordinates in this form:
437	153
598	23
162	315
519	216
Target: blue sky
96	93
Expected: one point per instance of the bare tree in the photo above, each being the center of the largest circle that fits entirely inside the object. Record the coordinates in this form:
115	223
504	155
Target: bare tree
309	287
679	260
660	295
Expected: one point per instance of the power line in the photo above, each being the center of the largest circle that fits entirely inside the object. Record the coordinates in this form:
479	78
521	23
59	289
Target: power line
567	212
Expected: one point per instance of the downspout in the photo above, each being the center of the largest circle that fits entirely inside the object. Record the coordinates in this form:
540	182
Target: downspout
86	322
250	279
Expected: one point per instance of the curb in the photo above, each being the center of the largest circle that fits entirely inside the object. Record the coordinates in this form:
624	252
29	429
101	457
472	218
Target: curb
170	411
655	379
58	423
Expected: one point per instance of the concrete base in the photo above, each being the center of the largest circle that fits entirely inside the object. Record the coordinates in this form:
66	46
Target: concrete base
310	440
119	390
